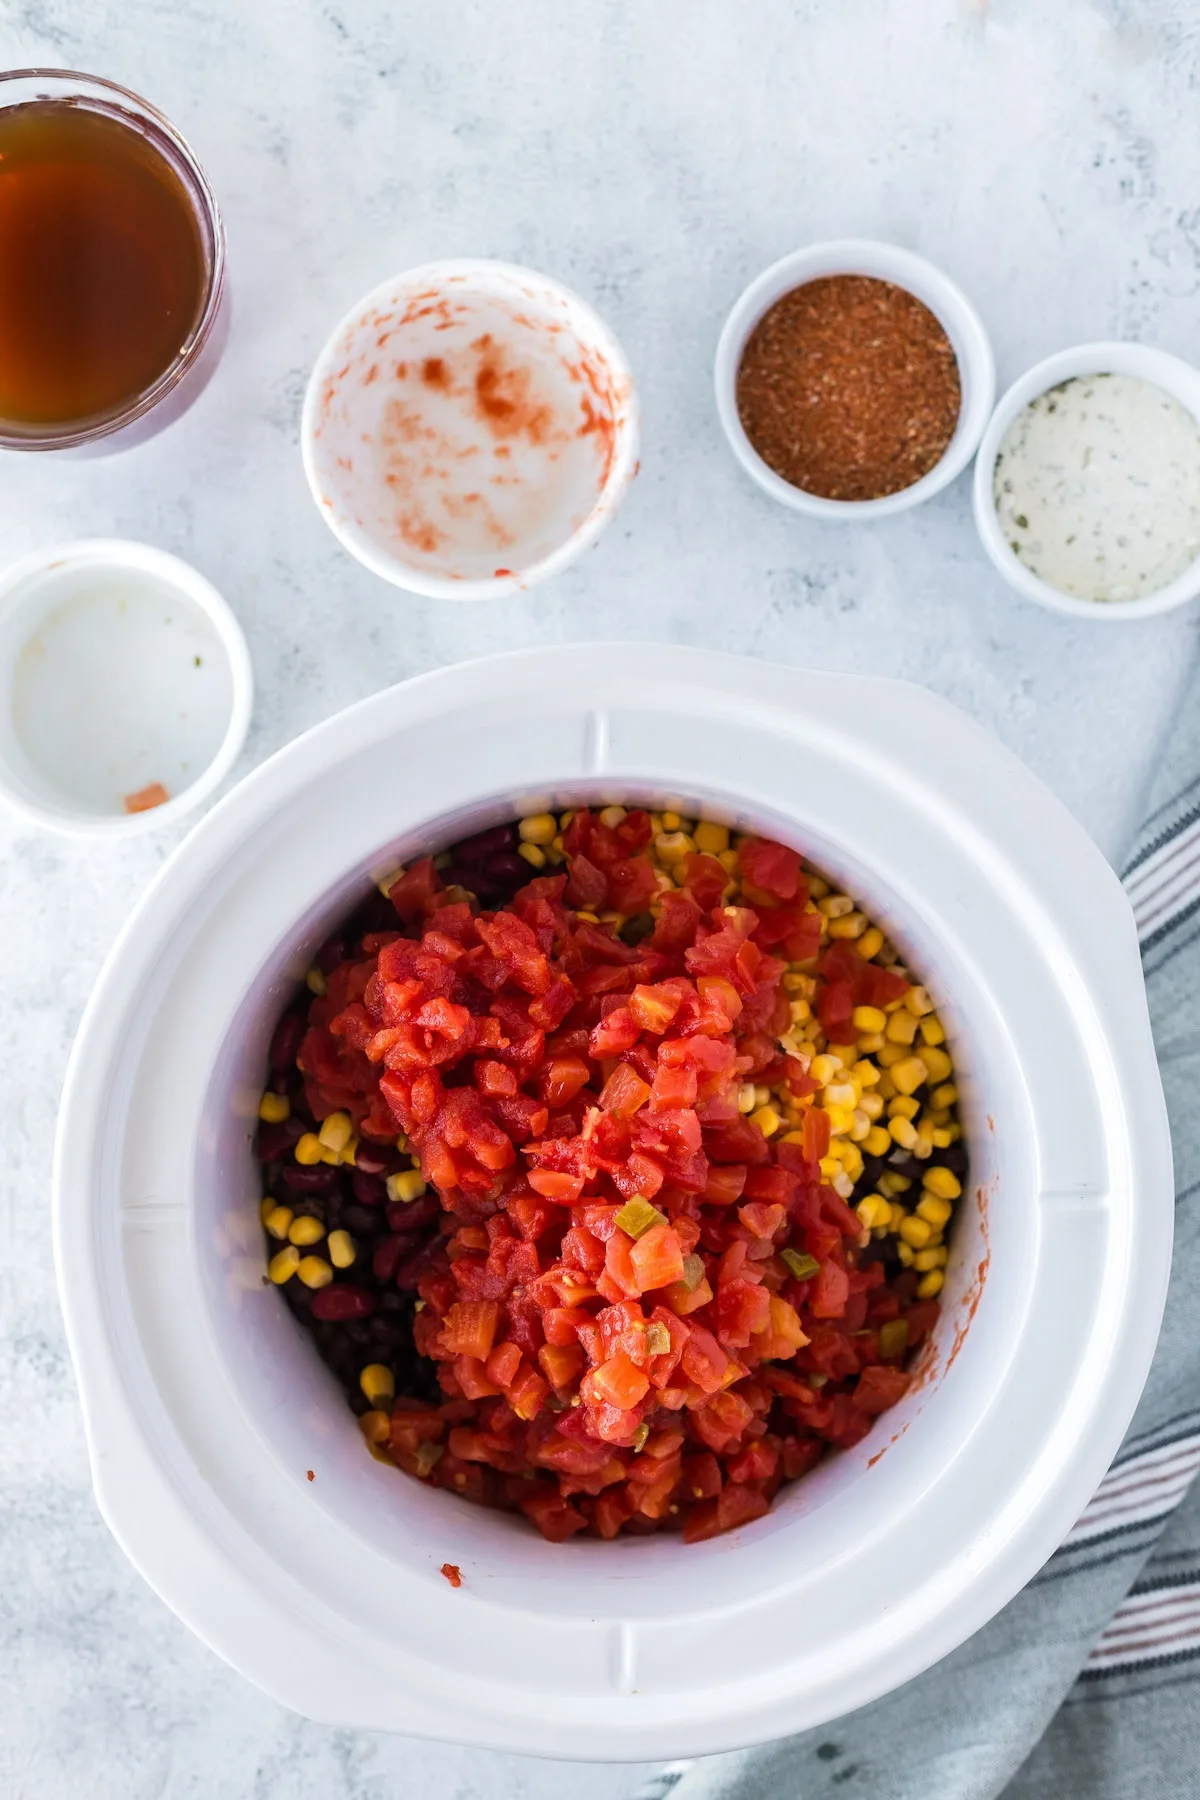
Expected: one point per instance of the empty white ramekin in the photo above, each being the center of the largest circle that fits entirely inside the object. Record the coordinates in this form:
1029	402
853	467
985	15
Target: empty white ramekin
469	429
886	262
206	1407
121	667
1176	377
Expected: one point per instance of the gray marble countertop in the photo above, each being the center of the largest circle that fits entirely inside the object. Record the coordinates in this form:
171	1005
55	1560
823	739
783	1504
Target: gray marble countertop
654	158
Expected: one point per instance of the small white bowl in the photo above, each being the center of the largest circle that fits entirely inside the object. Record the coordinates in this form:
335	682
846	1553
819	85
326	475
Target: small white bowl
886	262
120	668
469	429
1175	377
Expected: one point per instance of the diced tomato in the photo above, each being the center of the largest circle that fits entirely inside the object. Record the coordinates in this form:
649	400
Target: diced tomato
881	1386
550	1077
771	867
657	1259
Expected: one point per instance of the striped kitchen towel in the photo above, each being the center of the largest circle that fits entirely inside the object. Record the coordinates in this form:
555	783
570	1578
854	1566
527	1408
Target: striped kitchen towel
1087	1685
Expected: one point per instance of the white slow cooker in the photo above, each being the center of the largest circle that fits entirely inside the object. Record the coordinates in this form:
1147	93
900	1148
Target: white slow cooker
206	1407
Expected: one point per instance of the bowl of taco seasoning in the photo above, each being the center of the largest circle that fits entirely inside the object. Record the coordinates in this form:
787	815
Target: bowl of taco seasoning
853	379
1087	483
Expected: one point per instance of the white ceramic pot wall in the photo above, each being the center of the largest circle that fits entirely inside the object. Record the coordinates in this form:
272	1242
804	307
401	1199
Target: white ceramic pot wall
205	1405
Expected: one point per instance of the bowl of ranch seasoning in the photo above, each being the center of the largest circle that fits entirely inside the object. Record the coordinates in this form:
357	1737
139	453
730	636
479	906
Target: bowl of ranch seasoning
1087	482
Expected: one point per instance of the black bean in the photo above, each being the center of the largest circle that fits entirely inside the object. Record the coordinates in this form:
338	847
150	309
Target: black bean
364	1221
413	1215
636	929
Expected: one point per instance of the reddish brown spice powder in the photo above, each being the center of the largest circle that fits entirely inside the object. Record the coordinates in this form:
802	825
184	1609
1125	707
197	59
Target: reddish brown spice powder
848	388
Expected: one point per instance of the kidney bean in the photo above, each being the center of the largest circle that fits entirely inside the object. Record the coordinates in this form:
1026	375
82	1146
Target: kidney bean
315	1178
331	953
369	1190
473	879
376	1159
274	1141
409	1273
286	1041
386	1259
485	844
508	869
413	1215
344	1300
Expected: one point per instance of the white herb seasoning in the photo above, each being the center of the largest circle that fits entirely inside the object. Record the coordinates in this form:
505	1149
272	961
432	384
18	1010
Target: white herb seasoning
1097	487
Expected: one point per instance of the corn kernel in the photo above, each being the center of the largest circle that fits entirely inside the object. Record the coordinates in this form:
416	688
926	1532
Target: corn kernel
932	1030
924	1144
830	1166
407	1186
916	1231
336	1131
273	1109
871	942
800	1011
342	1249
852	925
305	1231
278	1220
877	1141
840	1119
871	1043
673	846
539	828
842	1185
283	1265
934	1257
824	1069
332	1157
852	1160
936	1210
942	1139
836	906
869	1018
840	1093
918	1002
910	1074
896	1216
711	839
534	856
611	816
314	1271
314	981
309	1149
860	1126
901	1028
767	1120
729	861
930	1285
377	1382
873	1211
375	1426
890	1054
266	1207
887	1087
944	1097
350	1153
903	1107
762	1094
895	1184
671	821
905	1253
903	1132
944	1183
872	1103
865	1073
938	1065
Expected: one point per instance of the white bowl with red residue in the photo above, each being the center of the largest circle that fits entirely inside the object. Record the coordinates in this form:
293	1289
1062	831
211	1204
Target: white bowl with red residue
206	1407
469	429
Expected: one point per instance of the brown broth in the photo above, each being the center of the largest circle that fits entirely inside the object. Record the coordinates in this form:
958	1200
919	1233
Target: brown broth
103	272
